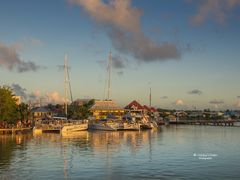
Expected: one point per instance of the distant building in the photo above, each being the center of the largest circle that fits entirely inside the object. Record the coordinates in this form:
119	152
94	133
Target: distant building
195	114
137	109
41	113
134	105
103	109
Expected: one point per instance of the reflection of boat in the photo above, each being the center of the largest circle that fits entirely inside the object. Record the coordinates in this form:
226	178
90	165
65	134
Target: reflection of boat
76	134
74	126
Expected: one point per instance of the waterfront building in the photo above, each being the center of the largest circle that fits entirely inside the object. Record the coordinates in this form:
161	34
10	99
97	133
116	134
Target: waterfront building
106	108
195	114
134	105
136	108
41	113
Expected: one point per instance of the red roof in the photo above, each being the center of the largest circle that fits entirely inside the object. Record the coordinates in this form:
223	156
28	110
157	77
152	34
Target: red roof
134	105
153	109
147	108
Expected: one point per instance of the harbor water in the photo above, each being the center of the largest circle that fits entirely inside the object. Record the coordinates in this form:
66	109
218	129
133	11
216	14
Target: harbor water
171	152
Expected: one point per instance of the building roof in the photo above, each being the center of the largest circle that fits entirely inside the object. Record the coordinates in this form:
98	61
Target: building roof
134	105
105	105
147	108
153	109
40	109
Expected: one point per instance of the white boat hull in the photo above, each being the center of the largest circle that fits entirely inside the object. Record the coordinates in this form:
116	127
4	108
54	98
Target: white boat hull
130	126
74	127
103	127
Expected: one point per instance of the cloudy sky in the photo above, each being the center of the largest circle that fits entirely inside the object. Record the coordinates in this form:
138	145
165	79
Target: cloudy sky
187	51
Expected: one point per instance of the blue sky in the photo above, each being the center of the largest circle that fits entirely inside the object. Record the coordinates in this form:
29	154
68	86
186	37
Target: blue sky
187	51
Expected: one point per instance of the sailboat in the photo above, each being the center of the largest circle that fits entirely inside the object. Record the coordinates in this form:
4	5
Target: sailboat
147	122
71	125
109	123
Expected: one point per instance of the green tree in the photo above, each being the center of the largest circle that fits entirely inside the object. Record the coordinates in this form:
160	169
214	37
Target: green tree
8	106
23	111
80	112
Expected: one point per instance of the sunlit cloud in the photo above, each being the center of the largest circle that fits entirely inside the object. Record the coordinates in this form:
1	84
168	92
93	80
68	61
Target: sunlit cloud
179	102
55	97
122	21
218	10
35	95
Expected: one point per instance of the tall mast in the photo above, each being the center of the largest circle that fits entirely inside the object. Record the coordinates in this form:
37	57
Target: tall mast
109	75
150	98
69	84
65	83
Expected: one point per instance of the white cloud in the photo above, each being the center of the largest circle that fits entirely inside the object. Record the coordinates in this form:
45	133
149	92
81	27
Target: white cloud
122	22
10	59
218	10
55	97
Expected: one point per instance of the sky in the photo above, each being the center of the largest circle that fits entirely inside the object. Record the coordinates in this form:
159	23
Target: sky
186	51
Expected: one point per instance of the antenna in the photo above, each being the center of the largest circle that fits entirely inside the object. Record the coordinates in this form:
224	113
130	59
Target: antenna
109	75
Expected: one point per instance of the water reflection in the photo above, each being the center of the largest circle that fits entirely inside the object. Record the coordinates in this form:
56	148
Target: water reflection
97	143
9	145
161	154
110	140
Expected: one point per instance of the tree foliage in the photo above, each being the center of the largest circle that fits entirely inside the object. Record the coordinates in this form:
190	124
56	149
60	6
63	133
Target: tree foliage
24	111
80	111
8	106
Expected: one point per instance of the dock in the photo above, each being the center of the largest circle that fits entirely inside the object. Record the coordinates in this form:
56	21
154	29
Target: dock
48	128
206	122
15	130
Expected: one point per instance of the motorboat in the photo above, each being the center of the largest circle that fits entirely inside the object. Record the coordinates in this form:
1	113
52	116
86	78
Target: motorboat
75	125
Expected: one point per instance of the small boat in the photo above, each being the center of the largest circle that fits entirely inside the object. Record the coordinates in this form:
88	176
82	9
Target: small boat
130	126
37	130
47	126
104	125
75	125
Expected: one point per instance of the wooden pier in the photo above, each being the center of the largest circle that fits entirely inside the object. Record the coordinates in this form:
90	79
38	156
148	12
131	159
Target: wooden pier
206	122
15	130
48	128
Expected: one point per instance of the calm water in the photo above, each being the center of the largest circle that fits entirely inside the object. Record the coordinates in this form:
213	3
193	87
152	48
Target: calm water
173	152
